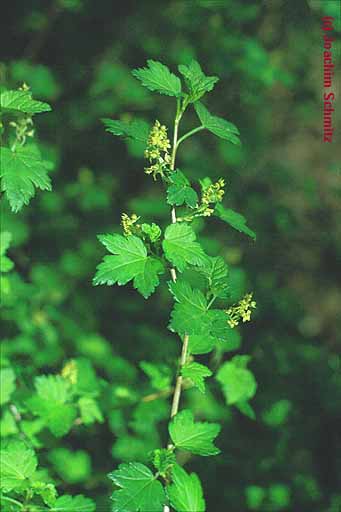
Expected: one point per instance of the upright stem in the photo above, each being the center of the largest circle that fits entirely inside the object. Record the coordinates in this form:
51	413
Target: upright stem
175	138
178	384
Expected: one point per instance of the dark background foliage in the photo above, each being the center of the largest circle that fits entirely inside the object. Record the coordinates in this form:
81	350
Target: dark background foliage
78	55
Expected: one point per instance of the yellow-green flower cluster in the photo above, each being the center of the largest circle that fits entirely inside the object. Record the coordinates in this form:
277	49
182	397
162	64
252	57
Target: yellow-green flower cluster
212	194
157	150
128	223
24	125
241	311
70	371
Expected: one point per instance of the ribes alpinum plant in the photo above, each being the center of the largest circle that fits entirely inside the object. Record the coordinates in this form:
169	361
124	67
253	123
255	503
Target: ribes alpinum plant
202	317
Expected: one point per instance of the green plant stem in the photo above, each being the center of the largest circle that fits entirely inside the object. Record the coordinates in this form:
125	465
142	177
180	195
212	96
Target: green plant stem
189	134
11	500
178	383
178	116
157	395
211	302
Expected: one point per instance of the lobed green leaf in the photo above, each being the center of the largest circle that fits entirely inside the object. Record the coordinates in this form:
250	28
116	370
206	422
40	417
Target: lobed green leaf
238	383
22	102
180	247
234	219
197	373
73	504
50	403
196	437
139	489
21	171
130	262
7	384
185	493
197	82
136	129
216	125
157	77
216	272
17	464
189	315
180	191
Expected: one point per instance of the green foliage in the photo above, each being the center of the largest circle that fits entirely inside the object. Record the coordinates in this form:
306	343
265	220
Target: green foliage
21	101
6	264
185	494
197	82
255	496
7	384
73	504
20	473
51	404
130	262
160	375
196	437
216	272
139	489
234	219
277	414
89	411
216	125
72	466
197	373
180	191
238	383
180	247
22	170
18	464
136	129
152	231
189	314
163	460
157	77
201	344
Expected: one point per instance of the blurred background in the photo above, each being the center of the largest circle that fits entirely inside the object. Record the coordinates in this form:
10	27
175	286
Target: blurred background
77	55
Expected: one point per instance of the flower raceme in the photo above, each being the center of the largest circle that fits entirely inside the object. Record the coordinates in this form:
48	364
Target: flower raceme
241	311
128	223
157	151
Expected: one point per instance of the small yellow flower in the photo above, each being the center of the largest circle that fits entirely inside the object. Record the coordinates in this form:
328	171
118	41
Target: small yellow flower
70	371
241	311
128	222
157	150
214	193
24	87
23	128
